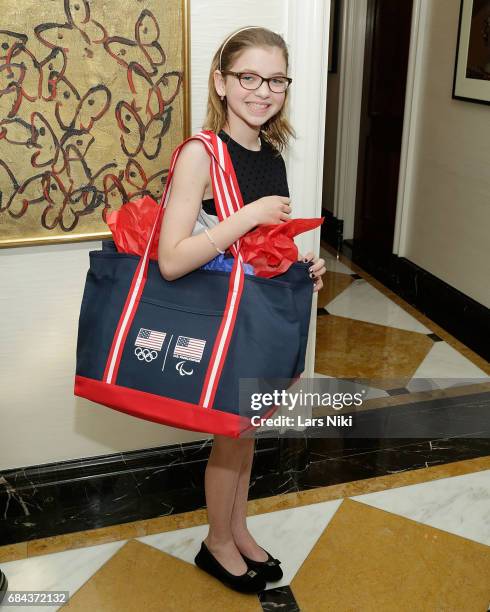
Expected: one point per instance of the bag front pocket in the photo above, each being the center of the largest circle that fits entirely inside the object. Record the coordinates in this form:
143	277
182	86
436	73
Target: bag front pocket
168	349
172	306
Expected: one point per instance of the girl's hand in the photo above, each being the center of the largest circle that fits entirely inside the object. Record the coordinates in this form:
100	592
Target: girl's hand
317	269
269	210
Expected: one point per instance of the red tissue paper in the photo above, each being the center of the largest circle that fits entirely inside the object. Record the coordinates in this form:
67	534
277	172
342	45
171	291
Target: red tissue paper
131	226
271	249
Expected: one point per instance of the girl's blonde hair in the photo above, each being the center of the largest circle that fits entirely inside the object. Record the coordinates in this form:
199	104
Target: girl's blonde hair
276	130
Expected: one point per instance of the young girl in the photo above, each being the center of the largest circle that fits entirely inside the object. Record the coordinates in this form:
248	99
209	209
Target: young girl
248	87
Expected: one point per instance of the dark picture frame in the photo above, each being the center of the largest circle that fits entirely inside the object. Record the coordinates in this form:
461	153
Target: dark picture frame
472	65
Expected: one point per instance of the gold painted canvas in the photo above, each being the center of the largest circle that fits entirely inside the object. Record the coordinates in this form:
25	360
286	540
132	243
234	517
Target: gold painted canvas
93	101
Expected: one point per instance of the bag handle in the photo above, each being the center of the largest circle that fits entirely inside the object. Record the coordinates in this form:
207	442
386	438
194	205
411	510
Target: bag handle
228	198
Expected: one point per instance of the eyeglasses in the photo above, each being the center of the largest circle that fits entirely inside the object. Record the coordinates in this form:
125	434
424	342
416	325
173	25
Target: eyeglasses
250	80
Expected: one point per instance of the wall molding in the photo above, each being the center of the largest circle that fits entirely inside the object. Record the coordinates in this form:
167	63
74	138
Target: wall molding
307	36
79	495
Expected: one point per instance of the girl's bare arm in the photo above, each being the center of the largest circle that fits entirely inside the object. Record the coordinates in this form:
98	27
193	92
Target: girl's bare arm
178	251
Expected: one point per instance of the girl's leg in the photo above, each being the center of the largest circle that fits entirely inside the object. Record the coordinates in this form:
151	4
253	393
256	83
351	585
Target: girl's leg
220	482
244	540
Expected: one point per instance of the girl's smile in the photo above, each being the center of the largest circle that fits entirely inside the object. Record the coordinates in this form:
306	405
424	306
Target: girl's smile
258	108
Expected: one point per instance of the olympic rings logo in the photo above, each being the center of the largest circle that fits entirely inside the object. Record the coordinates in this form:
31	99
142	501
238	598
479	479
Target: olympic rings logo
145	354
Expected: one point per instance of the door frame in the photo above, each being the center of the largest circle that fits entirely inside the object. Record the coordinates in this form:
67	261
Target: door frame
411	122
353	17
353	21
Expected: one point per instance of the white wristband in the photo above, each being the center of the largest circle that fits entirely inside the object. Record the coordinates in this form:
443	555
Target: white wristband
214	243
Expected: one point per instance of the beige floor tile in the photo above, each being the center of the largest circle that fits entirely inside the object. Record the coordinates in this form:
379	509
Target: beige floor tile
140	577
350	348
371	560
333	284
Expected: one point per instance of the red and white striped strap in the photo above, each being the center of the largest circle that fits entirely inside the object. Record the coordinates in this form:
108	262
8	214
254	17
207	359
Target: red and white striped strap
228	200
226	205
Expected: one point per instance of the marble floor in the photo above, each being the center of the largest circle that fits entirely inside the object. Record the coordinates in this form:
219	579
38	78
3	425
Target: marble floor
413	540
421	542
365	330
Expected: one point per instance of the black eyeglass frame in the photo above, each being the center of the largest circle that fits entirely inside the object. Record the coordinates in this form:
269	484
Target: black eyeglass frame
238	75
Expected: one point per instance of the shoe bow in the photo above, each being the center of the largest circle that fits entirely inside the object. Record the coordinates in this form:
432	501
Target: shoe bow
273	562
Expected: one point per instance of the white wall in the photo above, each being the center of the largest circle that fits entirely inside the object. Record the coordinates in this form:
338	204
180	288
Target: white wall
41	290
448	222
211	22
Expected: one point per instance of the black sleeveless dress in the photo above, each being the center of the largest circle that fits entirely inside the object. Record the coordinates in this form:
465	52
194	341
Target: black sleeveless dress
259	173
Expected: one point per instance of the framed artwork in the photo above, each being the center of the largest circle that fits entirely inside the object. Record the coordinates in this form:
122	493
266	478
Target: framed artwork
94	98
472	66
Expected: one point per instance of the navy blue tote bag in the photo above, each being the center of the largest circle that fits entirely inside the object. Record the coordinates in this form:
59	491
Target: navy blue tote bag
174	352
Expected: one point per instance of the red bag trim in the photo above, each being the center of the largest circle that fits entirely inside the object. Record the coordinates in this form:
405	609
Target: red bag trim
163	410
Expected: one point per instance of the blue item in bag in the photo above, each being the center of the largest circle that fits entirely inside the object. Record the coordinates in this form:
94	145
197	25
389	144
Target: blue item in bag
221	262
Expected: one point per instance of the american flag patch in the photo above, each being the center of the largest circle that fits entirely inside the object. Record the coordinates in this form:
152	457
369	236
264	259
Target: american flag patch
150	339
189	348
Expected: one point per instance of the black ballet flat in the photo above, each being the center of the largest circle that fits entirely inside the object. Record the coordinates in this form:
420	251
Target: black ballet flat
269	569
249	582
